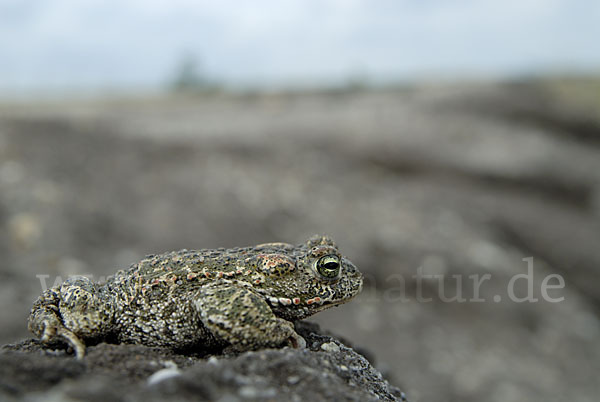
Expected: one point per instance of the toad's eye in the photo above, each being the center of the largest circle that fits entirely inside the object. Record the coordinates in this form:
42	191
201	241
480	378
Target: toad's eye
329	266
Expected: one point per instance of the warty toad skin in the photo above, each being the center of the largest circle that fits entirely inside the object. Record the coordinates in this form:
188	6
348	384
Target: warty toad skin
242	298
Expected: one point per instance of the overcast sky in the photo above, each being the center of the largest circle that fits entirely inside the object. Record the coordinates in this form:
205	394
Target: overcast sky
67	44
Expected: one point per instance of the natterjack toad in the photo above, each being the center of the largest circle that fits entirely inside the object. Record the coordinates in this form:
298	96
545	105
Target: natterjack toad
244	298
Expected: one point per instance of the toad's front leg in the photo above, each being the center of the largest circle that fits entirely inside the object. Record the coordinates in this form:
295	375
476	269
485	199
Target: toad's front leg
243	318
71	313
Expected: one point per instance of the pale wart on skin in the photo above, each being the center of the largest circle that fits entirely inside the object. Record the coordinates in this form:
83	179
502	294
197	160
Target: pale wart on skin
242	298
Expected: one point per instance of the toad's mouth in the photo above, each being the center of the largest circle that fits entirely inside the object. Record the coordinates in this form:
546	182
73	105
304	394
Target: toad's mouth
315	304
325	304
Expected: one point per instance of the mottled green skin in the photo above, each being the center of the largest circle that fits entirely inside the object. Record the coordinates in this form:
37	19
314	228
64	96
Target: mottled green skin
244	298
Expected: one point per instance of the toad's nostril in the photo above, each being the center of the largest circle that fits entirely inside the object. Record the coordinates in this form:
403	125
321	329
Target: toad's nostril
349	266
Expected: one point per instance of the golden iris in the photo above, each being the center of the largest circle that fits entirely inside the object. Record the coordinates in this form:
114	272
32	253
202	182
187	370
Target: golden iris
329	266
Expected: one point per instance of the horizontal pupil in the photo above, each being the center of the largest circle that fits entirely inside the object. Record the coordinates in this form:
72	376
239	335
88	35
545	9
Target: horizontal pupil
329	267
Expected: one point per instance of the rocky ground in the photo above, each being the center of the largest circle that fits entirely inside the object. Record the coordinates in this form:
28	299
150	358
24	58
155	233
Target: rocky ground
457	181
326	370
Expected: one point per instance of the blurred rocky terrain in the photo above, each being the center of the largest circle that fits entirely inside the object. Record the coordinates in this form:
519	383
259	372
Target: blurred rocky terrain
457	181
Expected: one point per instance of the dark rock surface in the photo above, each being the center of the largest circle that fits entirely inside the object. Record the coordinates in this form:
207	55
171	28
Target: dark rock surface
326	370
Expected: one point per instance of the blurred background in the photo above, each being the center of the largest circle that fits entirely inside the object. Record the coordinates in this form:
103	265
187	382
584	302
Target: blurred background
455	136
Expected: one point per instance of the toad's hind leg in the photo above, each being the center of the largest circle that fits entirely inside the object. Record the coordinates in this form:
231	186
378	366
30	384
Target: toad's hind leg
45	323
73	312
243	318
